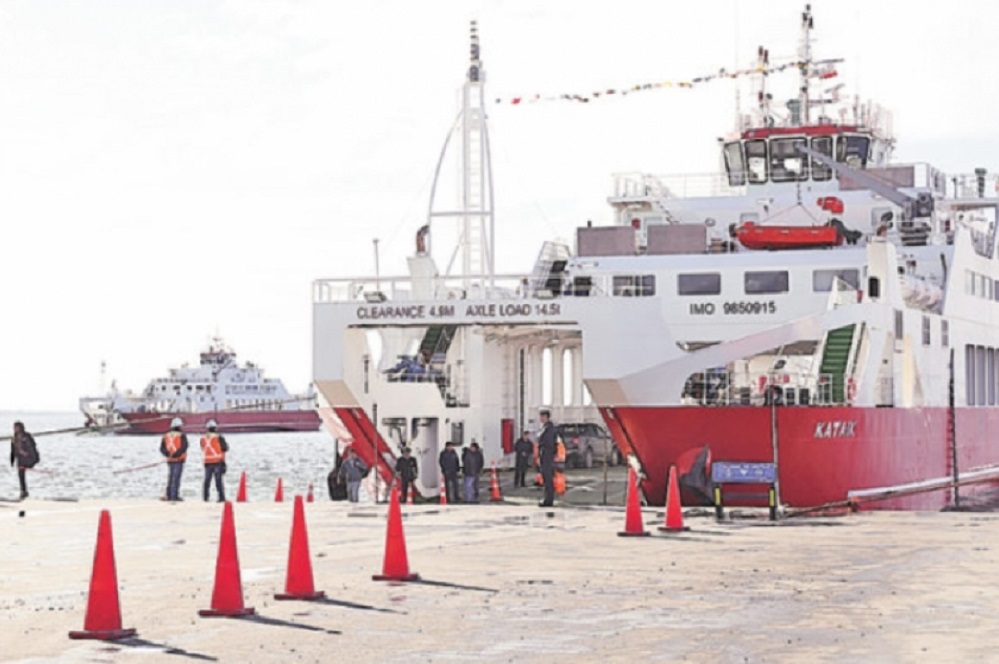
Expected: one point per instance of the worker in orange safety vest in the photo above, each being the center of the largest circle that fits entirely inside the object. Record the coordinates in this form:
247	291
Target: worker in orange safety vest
173	446
213	448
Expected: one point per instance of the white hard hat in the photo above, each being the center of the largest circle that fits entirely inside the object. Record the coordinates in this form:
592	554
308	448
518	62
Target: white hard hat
211	424
176	422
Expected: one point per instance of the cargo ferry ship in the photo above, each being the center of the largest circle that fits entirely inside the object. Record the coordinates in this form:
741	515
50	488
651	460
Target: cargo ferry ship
815	306
238	397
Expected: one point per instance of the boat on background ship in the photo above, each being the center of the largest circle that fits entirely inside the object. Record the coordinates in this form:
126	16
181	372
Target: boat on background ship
238	398
817	308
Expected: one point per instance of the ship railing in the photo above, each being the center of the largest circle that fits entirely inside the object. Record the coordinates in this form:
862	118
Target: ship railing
980	184
640	185
401	288
783	388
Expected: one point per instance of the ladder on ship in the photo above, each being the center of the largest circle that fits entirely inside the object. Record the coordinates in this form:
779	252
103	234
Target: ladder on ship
835	358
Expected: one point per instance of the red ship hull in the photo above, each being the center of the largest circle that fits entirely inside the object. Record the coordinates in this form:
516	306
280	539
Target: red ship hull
823	453
242	421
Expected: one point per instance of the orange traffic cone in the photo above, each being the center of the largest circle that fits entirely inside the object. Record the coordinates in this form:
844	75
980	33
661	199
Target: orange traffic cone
241	494
396	564
298	583
674	511
494	487
279	492
558	479
633	526
103	620
309	498
443	492
227	597
412	495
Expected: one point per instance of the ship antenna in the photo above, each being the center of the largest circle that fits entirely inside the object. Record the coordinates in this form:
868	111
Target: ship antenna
475	212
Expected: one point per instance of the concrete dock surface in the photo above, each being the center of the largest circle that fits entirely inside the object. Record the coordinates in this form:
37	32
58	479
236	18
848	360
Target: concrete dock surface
508	582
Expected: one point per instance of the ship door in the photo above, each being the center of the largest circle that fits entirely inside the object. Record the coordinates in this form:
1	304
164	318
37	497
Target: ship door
426	450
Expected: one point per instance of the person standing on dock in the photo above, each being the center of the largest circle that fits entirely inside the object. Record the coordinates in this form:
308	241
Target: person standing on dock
472	464
353	471
213	448
449	469
25	452
174	447
523	449
407	470
546	453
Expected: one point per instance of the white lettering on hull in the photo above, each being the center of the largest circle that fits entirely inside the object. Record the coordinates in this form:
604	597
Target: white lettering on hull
835	429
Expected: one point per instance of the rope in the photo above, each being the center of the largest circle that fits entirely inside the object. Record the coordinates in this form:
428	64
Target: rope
853	504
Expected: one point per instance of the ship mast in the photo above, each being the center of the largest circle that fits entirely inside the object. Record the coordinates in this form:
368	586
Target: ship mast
805	69
475	205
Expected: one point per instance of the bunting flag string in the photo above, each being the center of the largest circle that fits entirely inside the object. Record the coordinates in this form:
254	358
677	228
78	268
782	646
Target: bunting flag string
823	73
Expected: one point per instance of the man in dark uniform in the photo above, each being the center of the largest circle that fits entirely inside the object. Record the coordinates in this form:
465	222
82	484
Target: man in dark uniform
449	468
546	454
523	449
406	469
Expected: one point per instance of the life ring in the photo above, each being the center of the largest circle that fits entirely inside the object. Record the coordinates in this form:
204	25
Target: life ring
851	389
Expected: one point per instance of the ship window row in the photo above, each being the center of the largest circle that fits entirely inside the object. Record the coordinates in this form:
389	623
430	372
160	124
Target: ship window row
981	372
242	389
256	404
977	284
756	161
765	281
189	388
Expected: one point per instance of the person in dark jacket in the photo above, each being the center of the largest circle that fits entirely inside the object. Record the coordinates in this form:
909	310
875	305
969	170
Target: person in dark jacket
472	464
406	469
24	451
173	446
524	450
546	454
353	471
334	482
448	461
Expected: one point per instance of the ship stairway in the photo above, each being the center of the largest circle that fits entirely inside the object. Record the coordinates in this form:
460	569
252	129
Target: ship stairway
436	342
549	270
835	359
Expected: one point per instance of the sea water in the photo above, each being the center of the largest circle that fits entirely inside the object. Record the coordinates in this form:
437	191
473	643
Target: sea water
88	465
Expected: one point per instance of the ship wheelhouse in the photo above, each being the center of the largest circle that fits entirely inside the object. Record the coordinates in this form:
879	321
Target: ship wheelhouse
772	155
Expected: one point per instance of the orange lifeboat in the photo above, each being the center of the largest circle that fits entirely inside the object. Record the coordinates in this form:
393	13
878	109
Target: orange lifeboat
753	236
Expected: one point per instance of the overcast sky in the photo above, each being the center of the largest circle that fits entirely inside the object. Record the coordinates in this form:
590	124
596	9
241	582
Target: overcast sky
172	169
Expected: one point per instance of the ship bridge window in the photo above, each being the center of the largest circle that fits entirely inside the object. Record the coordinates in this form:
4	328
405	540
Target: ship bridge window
776	281
787	164
853	150
756	161
822	145
735	164
635	286
822	280
707	283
